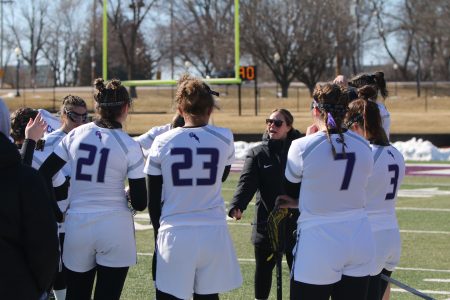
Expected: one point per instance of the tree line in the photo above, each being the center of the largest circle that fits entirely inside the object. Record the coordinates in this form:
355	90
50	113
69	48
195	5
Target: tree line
295	40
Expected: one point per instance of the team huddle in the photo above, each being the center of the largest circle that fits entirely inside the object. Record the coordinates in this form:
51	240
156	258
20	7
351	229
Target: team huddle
339	181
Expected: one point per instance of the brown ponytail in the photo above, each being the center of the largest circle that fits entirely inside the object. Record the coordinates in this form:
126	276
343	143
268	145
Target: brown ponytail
367	115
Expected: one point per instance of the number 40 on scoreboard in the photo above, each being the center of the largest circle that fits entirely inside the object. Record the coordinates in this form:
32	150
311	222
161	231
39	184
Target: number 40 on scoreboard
247	72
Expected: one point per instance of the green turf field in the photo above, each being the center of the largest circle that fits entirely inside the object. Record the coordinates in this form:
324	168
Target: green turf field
425	262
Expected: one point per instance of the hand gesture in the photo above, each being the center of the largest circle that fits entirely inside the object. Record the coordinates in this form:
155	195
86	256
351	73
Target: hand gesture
341	80
35	128
312	129
236	213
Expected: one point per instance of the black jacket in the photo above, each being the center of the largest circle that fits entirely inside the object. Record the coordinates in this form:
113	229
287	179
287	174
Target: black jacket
263	174
29	253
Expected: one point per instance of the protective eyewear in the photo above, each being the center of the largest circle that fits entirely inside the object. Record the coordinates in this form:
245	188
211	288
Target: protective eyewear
275	122
76	117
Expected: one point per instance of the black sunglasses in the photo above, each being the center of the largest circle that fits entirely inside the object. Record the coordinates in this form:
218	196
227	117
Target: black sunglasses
76	117
275	122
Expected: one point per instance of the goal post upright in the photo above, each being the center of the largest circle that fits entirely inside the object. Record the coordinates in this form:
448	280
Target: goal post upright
105	41
235	80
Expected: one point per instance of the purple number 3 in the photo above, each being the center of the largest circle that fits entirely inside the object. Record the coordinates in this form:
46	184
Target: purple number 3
88	161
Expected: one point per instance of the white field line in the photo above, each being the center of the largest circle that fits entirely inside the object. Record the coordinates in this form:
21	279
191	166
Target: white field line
234	223
139	226
251	260
436	280
424	209
422	270
422	291
425	231
426	184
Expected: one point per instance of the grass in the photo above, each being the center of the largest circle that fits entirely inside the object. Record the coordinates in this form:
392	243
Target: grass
154	106
420	250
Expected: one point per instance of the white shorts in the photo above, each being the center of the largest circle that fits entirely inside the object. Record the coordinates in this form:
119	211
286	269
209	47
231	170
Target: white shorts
388	247
196	259
104	238
326	252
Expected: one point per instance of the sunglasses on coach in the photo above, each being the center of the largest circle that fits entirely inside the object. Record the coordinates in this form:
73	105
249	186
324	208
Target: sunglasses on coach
76	117
275	122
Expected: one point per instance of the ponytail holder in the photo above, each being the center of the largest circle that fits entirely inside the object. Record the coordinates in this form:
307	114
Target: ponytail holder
330	122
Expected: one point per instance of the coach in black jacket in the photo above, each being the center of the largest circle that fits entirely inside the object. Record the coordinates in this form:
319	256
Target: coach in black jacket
28	232
263	174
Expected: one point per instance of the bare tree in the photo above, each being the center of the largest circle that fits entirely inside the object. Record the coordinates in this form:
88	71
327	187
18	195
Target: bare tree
127	29
399	25
295	38
32	36
203	34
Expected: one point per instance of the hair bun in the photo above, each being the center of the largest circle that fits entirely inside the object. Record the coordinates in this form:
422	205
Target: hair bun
114	84
99	84
367	92
378	74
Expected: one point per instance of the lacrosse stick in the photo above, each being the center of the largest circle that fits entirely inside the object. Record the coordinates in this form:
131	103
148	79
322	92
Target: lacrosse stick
275	229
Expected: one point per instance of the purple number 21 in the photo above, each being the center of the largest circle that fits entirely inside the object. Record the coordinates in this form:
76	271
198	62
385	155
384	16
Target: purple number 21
89	160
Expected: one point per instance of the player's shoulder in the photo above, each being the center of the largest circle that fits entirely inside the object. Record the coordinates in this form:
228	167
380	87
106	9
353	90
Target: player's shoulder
396	153
222	133
158	130
358	140
309	142
164	138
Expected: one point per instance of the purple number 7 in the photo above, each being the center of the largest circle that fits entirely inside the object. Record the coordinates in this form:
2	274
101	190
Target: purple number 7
350	157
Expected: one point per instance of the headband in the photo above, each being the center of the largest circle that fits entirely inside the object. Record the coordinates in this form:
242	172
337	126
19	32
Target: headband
355	119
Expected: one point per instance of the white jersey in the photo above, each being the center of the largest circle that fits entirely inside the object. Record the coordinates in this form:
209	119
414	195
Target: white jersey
387	176
385	118
146	140
52	121
332	189
191	162
100	160
51	141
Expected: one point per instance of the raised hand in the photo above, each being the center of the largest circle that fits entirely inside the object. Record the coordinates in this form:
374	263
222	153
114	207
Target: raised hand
35	128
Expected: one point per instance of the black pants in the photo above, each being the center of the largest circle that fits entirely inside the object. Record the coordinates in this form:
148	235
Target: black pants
59	282
347	288
377	286
164	296
264	269
109	283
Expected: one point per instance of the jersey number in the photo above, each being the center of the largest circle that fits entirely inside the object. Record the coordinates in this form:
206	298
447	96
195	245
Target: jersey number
88	161
350	157
210	165
394	181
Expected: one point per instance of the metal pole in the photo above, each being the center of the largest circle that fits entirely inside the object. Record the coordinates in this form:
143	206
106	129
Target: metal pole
426	99
237	63
2	38
105	41
172	62
256	89
17	77
298	99
239	99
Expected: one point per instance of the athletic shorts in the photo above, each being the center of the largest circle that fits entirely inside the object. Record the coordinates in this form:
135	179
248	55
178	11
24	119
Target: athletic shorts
387	250
326	252
104	238
196	259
